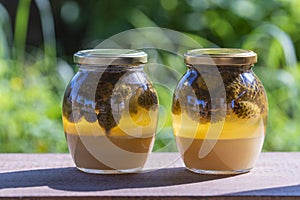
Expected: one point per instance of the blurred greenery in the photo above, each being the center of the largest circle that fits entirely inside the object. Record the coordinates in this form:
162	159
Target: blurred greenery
34	70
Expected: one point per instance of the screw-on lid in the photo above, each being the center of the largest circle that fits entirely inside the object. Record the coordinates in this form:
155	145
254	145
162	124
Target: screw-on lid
220	56
110	57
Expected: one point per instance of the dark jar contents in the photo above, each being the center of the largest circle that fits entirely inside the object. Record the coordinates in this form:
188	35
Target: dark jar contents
110	111
219	111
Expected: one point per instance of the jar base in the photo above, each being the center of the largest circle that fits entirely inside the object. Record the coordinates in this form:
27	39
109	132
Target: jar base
112	171
219	172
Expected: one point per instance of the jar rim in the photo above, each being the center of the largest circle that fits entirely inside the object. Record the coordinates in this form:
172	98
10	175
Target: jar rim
220	57
100	57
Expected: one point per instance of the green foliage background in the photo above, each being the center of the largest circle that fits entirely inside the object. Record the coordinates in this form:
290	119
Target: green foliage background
33	78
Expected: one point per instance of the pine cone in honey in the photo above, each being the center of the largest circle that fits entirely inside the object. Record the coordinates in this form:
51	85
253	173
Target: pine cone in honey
71	112
67	105
147	99
75	116
133	106
104	90
107	119
176	108
249	96
90	117
246	109
88	84
205	112
140	104
88	112
240	89
113	75
121	93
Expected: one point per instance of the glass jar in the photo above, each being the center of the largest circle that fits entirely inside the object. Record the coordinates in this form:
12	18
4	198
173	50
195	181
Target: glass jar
110	111
219	111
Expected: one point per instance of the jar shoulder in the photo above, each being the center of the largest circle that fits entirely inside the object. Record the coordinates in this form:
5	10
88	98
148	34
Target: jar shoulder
89	81
235	85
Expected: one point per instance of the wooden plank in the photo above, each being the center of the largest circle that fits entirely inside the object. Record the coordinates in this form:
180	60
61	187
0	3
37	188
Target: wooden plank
53	176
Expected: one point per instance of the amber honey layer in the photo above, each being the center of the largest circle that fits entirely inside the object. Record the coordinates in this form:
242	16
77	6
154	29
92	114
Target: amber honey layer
220	155
109	152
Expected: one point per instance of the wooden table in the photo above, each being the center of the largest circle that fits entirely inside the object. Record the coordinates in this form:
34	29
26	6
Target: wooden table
53	176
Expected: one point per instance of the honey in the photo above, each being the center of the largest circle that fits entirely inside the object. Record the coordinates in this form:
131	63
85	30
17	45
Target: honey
110	111
219	112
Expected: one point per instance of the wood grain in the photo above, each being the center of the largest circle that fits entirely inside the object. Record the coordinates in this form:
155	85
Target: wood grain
53	176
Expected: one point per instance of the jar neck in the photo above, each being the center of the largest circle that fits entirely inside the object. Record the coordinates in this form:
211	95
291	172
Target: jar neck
208	68
110	68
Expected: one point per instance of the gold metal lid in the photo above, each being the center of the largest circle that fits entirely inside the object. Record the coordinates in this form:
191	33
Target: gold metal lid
110	57
220	57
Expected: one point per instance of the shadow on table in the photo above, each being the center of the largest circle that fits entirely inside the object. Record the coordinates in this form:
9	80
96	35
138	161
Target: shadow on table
292	190
72	179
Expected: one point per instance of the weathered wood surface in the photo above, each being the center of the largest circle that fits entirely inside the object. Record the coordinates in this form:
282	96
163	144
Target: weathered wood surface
53	176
